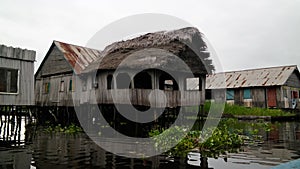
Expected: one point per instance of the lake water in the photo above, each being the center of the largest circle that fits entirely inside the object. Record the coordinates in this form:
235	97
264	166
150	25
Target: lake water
31	147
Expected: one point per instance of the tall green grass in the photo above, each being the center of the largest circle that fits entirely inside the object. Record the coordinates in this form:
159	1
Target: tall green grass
253	111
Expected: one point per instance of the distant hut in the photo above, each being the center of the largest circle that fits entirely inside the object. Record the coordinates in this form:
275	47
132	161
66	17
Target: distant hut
99	79
272	87
16	76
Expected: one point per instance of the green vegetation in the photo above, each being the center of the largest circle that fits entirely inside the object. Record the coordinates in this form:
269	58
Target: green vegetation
254	111
221	140
67	129
229	136
251	131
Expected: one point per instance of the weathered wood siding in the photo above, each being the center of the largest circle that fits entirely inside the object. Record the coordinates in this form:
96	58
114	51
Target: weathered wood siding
286	96
279	97
258	97
23	60
54	69
292	84
293	81
55	97
54	64
238	96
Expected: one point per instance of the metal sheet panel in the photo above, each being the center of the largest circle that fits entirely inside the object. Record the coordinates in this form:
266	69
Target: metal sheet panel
79	57
272	76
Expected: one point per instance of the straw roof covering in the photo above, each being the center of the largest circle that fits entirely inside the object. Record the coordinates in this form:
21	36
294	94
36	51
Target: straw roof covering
158	49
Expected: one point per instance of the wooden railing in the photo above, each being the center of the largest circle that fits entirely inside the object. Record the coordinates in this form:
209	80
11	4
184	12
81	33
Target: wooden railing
158	98
148	97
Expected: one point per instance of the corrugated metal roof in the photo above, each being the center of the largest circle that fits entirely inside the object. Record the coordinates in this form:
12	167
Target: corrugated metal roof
79	57
250	78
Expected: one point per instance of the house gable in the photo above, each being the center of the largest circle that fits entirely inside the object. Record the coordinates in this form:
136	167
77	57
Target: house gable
294	79
54	63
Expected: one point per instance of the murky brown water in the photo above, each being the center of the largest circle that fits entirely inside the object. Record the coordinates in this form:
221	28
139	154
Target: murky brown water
40	150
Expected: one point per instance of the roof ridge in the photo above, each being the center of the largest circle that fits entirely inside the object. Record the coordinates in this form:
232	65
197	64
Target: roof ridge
261	68
269	76
76	45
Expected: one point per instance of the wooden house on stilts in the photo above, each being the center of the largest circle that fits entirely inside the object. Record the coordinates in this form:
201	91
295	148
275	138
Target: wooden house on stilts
16	91
54	82
159	63
16	74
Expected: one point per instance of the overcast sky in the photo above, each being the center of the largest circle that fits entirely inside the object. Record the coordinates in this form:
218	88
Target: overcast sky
244	34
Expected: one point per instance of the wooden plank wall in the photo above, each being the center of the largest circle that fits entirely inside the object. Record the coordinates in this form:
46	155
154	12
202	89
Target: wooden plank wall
23	60
258	97
54	97
55	63
293	81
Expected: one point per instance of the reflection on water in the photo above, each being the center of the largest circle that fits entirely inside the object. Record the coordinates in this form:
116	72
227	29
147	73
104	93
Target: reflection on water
48	150
66	150
13	152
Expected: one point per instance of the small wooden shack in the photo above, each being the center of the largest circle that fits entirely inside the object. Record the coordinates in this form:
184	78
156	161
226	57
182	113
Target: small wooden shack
54	84
272	87
16	76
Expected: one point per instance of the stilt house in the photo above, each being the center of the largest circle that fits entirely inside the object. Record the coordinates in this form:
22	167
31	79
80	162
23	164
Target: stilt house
54	84
272	87
99	79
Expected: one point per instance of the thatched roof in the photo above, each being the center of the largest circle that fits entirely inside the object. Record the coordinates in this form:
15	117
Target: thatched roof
159	50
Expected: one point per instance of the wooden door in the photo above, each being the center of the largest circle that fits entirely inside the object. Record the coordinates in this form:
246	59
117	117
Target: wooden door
272	97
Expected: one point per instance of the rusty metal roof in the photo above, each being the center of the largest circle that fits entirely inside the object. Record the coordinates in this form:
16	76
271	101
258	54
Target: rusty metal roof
79	57
272	76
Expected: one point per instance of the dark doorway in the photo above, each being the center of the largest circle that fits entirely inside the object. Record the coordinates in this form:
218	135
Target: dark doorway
142	81
110	82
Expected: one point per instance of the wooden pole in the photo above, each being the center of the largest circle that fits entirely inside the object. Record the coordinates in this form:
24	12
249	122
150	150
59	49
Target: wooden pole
8	121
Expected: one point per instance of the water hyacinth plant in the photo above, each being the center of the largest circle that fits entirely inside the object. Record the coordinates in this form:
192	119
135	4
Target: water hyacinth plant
67	129
220	141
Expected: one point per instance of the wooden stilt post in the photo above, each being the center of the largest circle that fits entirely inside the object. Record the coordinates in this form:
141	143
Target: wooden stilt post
199	118
68	115
19	121
1	120
14	123
155	121
136	124
114	118
8	121
5	122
